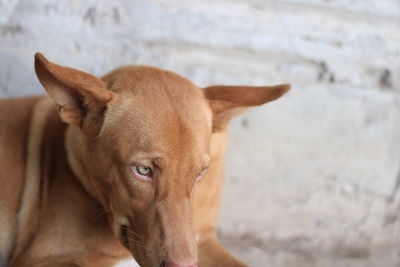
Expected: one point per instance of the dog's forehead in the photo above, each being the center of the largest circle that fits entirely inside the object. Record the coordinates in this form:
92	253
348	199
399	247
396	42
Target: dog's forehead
145	80
158	110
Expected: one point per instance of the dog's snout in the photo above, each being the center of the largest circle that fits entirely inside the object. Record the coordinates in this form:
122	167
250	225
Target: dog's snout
174	264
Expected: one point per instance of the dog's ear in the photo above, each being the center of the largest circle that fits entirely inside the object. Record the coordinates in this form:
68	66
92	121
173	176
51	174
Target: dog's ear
227	102
81	97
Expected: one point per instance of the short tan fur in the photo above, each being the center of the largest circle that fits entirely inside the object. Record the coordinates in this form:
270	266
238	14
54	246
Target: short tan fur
71	194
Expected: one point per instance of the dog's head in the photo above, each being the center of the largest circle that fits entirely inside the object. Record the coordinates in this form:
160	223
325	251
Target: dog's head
140	141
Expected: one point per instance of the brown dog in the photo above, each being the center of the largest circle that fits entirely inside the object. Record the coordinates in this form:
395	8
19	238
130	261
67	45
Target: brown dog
130	165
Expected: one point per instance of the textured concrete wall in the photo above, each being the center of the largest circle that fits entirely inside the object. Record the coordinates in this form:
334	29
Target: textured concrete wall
311	175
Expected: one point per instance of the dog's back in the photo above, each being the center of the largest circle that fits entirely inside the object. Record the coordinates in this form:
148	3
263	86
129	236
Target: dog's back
15	117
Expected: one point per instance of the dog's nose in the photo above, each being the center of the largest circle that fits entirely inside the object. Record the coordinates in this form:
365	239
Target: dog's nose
174	264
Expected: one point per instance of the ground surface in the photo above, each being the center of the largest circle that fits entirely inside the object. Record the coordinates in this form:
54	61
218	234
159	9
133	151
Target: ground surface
258	253
288	254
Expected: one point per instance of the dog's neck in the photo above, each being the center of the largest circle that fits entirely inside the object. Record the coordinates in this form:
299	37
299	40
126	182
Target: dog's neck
74	146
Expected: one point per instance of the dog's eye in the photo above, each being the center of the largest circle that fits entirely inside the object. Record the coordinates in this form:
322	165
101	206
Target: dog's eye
143	170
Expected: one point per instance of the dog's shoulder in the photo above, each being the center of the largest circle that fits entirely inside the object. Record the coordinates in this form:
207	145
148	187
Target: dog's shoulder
16	117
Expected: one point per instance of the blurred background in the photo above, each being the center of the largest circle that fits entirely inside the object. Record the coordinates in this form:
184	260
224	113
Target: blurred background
311	179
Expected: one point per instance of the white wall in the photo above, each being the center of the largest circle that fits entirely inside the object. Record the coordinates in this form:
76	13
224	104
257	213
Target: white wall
308	175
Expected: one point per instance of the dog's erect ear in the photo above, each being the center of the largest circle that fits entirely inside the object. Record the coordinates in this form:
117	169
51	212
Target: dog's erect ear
81	97
227	102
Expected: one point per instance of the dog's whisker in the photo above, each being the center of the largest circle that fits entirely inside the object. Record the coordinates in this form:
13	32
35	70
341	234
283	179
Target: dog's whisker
135	243
135	234
103	212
